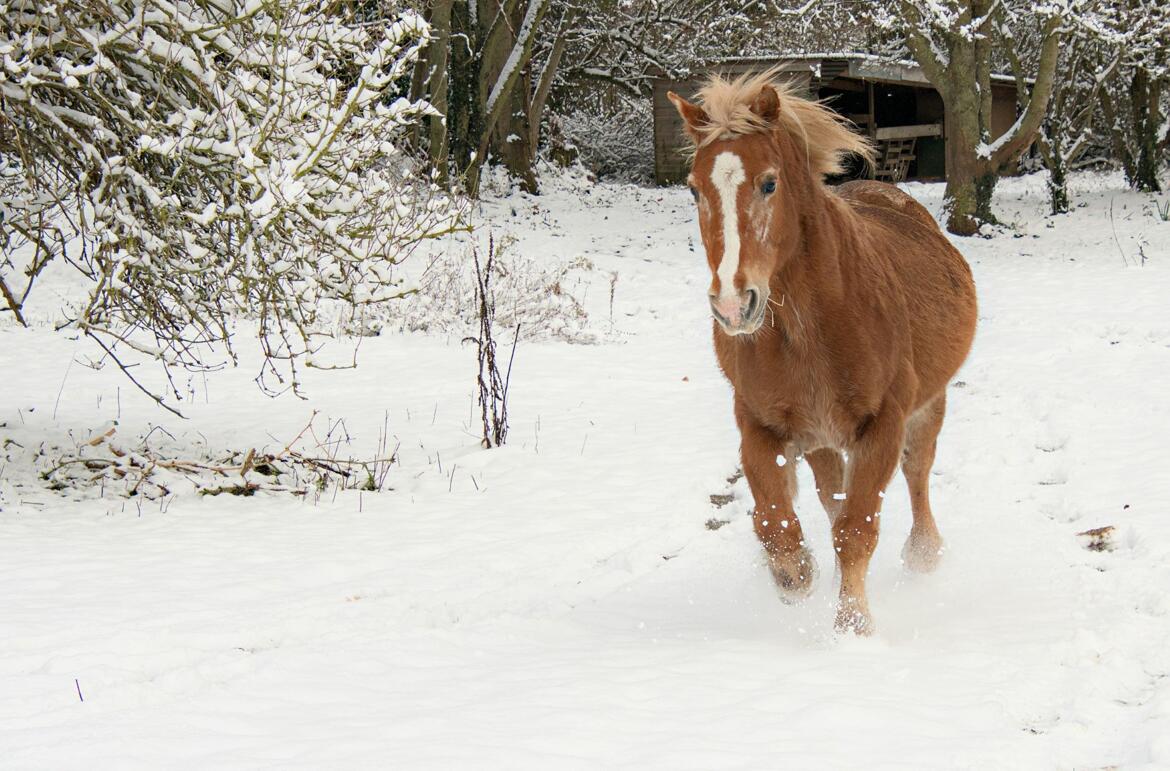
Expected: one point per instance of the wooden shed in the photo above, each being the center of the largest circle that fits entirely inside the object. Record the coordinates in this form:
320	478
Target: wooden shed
892	102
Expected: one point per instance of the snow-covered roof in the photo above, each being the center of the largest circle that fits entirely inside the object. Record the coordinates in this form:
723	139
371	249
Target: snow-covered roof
860	65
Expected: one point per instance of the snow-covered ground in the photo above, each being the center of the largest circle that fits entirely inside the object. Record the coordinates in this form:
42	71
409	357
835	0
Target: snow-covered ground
561	602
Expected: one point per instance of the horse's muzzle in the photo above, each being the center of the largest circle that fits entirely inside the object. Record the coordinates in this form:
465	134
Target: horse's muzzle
739	314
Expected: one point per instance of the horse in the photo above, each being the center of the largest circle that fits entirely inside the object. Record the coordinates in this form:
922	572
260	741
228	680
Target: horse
840	315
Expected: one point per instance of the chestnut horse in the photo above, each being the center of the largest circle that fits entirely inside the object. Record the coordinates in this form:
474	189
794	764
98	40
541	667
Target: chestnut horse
840	316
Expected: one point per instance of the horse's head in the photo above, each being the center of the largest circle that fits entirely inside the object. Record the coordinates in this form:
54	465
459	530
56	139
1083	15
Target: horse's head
760	155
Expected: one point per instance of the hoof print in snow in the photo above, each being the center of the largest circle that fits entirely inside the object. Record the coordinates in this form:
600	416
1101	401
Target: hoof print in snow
247	490
715	524
1099	538
719	500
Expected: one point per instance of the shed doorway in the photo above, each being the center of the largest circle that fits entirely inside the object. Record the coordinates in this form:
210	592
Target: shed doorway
905	123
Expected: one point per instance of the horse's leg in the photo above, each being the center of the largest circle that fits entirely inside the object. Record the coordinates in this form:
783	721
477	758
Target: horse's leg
924	546
773	488
828	469
873	457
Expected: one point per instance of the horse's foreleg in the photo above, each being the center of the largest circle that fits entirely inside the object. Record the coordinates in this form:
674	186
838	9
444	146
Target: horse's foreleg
872	460
773	488
924	546
829	471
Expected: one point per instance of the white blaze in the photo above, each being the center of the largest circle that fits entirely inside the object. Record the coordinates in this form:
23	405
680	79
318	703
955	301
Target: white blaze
727	175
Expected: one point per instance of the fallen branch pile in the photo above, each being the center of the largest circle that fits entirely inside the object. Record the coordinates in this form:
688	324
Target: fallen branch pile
158	465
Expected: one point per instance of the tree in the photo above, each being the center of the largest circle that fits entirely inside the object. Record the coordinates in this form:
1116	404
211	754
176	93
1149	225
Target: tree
1087	63
480	72
1087	58
627	44
495	67
614	50
955	43
1134	104
205	161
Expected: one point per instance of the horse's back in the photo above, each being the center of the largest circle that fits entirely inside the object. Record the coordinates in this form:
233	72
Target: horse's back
884	195
904	233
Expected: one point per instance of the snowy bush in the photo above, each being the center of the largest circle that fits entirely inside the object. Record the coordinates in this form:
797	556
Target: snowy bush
617	145
207	159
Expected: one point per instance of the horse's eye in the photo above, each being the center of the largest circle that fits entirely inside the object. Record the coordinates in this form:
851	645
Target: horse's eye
768	187
694	192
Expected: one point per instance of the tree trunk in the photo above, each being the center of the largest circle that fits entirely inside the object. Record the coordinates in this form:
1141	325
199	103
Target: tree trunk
963	167
984	194
1116	135
437	59
463	114
418	77
503	65
513	144
1058	187
1144	97
544	88
1054	159
509	140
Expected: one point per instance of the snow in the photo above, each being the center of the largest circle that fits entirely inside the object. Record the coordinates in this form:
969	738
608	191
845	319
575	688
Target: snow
561	602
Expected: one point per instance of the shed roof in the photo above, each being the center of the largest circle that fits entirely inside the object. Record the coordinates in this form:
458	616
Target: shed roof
851	64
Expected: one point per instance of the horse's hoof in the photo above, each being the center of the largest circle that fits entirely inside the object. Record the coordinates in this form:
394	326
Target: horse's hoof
853	619
795	573
922	554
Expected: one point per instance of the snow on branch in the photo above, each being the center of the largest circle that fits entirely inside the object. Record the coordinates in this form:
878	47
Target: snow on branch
214	159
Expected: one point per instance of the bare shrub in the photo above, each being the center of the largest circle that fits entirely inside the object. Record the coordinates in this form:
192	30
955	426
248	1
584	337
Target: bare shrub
546	301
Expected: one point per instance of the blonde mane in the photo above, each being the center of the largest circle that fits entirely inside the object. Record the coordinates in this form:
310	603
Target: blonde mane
827	137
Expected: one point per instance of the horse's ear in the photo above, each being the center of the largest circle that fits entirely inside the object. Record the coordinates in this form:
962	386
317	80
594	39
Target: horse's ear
767	103
694	117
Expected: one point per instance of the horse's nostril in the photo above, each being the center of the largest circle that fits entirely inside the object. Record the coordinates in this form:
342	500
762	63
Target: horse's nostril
753	301
715	310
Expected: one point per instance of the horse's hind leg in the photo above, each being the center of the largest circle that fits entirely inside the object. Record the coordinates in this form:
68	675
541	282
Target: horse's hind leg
828	469
924	546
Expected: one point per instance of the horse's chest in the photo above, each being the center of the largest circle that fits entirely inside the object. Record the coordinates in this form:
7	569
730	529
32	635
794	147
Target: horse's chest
792	397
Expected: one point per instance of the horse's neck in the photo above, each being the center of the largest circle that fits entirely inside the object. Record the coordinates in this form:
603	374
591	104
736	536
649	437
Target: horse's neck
811	283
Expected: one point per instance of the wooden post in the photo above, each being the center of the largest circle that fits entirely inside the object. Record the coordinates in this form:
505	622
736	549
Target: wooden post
872	126
872	114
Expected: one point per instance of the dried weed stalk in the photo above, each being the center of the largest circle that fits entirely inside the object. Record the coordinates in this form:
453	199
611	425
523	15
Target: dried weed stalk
493	388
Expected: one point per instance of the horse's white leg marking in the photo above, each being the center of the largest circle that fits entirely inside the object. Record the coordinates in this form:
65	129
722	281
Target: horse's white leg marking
727	175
